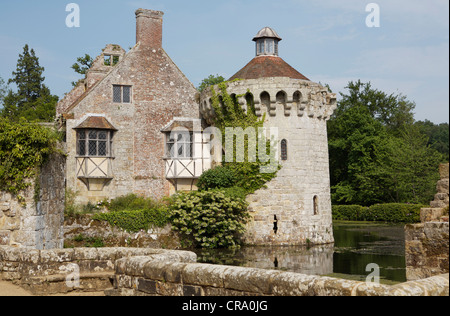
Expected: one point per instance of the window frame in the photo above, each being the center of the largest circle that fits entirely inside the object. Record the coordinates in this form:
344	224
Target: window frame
266	46
186	143
122	94
84	136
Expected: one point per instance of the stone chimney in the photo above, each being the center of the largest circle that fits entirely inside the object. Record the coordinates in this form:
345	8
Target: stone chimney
149	28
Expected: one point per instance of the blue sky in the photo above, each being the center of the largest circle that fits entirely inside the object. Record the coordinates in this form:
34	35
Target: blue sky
326	40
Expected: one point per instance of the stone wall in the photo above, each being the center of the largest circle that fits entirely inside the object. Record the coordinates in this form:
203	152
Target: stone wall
158	272
295	208
427	243
38	222
81	229
144	276
44	272
158	95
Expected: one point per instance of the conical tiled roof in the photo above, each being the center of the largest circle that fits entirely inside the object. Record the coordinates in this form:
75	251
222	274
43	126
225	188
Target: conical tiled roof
268	66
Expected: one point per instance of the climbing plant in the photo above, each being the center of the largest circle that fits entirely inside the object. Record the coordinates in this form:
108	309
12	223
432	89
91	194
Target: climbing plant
24	147
230	114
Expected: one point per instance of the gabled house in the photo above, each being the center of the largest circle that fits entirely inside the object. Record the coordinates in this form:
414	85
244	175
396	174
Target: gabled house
118	122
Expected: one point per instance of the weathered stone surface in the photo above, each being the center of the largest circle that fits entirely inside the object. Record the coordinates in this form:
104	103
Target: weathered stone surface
194	279
444	171
431	214
295	208
427	244
38	223
158	95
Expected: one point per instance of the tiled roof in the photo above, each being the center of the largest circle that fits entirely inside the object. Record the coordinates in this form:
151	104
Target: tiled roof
96	122
267	66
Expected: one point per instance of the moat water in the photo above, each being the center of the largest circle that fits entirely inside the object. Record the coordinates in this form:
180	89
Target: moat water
356	246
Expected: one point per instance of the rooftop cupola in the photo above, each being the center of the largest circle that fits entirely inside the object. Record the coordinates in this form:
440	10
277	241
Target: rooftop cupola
267	42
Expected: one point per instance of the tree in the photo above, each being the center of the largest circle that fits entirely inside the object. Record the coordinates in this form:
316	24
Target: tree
33	99
210	81
28	76
3	90
377	153
355	141
411	166
438	136
82	65
393	111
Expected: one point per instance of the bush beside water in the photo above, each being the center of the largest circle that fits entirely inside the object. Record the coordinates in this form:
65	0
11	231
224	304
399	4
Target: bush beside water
392	213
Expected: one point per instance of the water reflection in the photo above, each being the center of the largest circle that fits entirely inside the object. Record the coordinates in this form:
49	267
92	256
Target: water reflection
356	246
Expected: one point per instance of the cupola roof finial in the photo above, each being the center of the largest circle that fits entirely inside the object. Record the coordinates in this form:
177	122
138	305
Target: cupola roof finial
267	32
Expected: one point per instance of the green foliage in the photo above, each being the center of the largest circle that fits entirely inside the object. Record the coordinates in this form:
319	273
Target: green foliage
392	111
134	213
348	212
438	136
132	202
28	76
136	220
391	213
82	65
410	167
210	81
218	177
249	176
235	192
394	213
3	90
90	242
33	100
209	219
24	147
377	154
229	113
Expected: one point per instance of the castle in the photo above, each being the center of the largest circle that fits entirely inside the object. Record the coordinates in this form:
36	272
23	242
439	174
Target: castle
135	125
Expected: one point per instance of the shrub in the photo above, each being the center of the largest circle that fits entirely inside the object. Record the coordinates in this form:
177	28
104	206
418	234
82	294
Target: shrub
218	177
136	220
132	202
209	219
348	212
235	192
393	213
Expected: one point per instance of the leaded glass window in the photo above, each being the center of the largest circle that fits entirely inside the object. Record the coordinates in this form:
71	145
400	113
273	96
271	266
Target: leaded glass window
179	145
121	94
94	143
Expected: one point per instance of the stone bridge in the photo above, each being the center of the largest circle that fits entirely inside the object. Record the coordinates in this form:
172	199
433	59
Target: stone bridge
158	272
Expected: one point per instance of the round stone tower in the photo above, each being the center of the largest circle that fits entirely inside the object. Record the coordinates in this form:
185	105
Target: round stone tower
295	208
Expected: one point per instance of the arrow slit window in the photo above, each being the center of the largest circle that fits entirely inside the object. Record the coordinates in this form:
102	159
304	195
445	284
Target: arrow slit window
284	153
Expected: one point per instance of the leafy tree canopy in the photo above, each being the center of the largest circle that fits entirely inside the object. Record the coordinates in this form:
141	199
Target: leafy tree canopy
210	81
33	100
82	65
378	154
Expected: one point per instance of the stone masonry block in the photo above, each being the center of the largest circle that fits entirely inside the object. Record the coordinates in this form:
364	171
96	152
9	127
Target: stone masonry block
444	171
